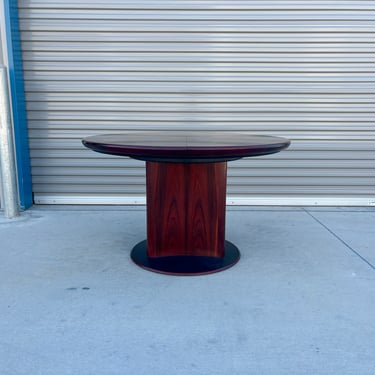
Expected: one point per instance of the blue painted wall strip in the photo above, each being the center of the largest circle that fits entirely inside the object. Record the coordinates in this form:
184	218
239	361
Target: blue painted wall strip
18	103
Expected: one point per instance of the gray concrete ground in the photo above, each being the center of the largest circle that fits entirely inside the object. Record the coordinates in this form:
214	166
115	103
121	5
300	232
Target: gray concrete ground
300	301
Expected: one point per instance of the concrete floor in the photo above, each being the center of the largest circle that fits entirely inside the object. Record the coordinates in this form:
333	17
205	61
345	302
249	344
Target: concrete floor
300	301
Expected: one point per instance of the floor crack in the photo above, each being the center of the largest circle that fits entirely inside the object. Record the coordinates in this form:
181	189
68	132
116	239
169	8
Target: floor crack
341	240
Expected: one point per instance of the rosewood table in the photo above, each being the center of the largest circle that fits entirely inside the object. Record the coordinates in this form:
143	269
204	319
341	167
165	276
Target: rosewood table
186	174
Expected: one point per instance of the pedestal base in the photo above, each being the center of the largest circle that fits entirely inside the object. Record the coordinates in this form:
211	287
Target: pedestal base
186	209
185	265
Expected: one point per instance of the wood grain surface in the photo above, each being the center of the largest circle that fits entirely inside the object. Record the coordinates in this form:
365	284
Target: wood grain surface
186	208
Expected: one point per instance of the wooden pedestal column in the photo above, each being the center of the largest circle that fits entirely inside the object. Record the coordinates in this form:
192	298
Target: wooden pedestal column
186	220
186	208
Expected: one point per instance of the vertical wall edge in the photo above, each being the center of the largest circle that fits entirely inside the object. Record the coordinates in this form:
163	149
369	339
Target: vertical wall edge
17	94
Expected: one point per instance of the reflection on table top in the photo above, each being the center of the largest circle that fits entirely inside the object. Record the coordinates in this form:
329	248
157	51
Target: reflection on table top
186	146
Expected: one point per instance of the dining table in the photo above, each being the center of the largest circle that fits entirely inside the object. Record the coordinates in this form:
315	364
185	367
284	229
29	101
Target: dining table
186	185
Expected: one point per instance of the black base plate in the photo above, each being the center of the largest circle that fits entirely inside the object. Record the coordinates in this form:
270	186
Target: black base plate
185	265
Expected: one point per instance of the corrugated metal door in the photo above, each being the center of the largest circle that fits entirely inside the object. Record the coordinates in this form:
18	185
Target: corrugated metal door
300	69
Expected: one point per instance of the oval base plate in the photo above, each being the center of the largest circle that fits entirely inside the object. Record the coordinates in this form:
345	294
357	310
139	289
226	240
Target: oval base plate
185	265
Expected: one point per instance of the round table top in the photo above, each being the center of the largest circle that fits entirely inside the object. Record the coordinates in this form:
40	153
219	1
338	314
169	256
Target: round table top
186	146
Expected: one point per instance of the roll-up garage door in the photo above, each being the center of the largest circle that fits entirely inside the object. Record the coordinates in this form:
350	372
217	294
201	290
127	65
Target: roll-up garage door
300	69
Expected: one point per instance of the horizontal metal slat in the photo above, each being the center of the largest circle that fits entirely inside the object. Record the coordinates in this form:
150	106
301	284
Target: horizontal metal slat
307	86
198	116
183	37
277	127
64	67
234	98
196	106
106	161
212	14
201	77
161	25
87	189
202	4
193	48
296	135
206	56
90	180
